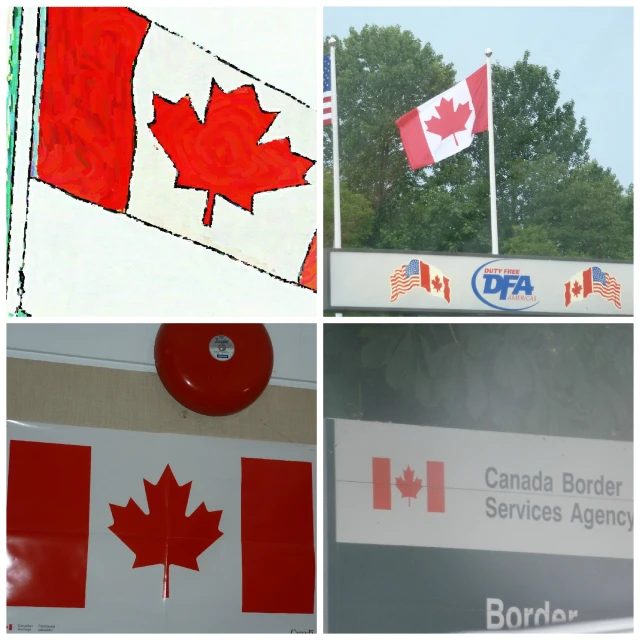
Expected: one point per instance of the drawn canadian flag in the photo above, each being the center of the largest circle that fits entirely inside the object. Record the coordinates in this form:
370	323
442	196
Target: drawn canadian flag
140	122
128	526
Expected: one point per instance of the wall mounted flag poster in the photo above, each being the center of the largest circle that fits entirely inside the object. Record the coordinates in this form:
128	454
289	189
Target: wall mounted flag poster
118	531
162	161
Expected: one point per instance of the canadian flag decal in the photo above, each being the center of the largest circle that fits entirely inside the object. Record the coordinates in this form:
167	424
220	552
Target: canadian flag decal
409	484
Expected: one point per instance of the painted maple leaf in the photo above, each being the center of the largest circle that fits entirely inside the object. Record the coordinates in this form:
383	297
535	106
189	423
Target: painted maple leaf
408	485
576	289
166	535
437	283
223	154
451	120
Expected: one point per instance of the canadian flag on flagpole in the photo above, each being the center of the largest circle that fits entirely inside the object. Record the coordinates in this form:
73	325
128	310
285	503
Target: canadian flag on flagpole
148	532
447	123
139	121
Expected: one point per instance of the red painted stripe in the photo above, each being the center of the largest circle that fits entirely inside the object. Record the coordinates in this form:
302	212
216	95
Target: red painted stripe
86	124
327	99
381	468
308	275
587	282
278	554
47	524
567	294
414	141
478	89
326	110
435	487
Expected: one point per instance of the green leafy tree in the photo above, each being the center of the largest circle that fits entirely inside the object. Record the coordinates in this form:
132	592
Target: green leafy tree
383	72
356	216
552	199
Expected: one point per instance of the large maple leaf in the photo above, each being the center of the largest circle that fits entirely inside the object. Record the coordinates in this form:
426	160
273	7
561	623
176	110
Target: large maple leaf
408	485
451	120
166	535
223	154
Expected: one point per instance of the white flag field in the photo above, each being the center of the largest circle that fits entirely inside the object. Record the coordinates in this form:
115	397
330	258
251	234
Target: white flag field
154	174
112	531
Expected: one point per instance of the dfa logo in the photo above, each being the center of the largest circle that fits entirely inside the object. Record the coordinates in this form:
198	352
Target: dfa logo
503	287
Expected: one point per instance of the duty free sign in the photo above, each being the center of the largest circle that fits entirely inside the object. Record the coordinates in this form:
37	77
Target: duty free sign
410	281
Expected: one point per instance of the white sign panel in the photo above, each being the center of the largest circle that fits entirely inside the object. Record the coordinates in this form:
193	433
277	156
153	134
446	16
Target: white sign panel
413	281
116	531
462	489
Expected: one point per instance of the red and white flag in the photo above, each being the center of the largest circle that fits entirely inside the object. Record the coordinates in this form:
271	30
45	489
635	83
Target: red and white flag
145	532
447	123
132	119
420	274
425	485
592	280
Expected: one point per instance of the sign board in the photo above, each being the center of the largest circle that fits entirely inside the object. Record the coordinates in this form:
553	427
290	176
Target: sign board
114	531
414	282
442	529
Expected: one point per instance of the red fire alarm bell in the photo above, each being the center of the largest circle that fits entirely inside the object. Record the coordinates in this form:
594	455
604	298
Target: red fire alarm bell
214	369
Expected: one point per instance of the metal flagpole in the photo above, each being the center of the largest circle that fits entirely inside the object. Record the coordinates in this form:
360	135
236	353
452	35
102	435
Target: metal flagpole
492	160
337	235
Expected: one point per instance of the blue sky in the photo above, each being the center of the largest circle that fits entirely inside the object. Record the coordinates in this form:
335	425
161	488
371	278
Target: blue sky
591	46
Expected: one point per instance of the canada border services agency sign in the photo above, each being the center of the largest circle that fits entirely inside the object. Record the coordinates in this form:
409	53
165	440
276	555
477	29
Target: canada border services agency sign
502	530
459	283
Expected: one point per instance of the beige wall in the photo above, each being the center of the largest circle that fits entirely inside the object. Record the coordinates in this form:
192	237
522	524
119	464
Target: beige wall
114	399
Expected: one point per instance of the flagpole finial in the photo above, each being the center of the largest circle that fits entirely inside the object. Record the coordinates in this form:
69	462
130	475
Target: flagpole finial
488	52
332	41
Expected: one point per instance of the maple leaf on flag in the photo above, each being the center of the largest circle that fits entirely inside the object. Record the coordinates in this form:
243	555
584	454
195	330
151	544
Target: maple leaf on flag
451	120
223	154
576	289
437	283
166	535
408	485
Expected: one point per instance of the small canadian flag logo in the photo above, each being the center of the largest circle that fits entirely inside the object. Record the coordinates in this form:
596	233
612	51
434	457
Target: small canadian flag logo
409	483
9	627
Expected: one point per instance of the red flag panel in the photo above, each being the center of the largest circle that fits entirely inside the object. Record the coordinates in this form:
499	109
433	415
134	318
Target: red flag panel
278	554
435	487
588	282
86	124
47	524
381	483
413	140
